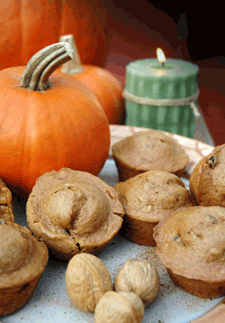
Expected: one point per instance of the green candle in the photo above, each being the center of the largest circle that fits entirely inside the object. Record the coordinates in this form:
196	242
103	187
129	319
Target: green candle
149	79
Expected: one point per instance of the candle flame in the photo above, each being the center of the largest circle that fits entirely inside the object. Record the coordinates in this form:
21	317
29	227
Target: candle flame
160	55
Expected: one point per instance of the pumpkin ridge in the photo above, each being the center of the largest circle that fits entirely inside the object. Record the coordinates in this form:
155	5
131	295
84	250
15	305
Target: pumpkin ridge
2	109
105	86
60	109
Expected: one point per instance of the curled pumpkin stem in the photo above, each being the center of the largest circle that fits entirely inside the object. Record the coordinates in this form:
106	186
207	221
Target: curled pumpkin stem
43	64
74	66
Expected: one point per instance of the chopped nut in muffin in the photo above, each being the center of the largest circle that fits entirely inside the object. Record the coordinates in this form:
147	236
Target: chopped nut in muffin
147	198
207	181
6	210
191	243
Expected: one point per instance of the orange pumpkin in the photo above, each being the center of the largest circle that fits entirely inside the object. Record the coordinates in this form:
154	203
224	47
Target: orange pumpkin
28	26
48	123
102	83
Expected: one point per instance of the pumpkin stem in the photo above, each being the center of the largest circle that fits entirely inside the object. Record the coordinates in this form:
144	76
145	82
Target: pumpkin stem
43	64
74	66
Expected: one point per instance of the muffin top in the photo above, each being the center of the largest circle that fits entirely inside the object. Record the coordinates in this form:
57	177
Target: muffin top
207	181
73	211
22	256
152	195
150	150
6	212
191	242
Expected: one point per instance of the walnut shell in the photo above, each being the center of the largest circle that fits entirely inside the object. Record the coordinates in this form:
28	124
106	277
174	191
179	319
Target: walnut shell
139	277
87	279
122	307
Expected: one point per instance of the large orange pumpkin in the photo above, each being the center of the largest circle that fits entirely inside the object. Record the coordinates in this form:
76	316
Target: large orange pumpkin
28	26
102	83
48	123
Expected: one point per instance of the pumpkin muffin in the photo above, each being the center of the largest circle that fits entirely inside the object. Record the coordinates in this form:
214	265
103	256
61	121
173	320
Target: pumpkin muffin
191	243
6	210
73	211
147	198
22	261
148	150
207	181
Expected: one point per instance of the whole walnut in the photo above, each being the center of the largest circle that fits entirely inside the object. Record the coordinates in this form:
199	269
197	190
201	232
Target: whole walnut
121	307
87	279
139	277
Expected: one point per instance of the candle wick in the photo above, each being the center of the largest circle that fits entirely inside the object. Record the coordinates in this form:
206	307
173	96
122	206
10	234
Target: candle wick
163	64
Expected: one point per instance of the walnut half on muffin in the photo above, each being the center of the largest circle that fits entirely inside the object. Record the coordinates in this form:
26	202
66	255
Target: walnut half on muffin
148	150
147	198
191	243
73	211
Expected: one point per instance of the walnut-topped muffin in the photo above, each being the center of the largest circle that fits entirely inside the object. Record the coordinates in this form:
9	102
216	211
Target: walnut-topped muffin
148	150
207	181
147	198
73	211
191	244
6	210
22	261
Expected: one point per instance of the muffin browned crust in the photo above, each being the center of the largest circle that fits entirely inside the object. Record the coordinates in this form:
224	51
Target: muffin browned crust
73	211
148	150
191	243
147	198
22	261
6	212
207	181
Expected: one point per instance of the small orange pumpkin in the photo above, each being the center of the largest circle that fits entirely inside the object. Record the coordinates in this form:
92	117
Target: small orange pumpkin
48	123
28	26
102	83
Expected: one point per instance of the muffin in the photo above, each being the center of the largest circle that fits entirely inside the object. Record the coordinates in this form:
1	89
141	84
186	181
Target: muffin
73	211
147	198
191	243
148	150
207	181
22	261
6	211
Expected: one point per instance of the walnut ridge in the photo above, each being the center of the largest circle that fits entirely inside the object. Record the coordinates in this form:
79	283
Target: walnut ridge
139	277
87	279
123	307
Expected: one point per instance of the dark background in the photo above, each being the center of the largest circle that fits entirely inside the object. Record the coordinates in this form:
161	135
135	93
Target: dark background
183	30
201	25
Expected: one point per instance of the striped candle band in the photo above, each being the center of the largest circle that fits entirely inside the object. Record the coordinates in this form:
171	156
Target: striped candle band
164	102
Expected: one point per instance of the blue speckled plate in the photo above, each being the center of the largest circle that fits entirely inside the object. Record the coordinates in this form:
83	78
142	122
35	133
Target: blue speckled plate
50	303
